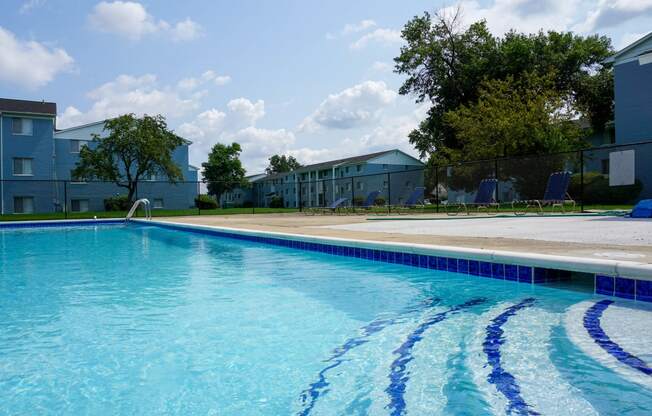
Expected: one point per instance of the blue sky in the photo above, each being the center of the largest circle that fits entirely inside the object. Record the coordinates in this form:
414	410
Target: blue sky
309	78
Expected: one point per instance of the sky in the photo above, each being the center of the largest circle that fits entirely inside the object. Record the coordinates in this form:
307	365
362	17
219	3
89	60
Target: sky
308	78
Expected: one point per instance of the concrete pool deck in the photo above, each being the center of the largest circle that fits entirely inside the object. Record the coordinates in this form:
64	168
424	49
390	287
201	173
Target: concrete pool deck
591	237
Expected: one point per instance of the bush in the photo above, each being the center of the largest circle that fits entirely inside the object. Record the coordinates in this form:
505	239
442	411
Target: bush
380	201
598	191
358	201
204	201
276	202
247	204
117	203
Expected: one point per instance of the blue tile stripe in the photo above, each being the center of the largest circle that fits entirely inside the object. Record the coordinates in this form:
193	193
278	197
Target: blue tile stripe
315	390
398	376
501	378
52	224
521	274
592	325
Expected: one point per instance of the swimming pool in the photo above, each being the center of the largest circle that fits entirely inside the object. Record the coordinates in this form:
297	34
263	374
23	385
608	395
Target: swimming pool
137	319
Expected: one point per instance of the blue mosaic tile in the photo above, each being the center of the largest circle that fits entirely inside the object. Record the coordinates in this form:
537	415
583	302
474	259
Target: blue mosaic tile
485	269
463	266
452	265
423	261
511	272
625	288
407	259
540	275
497	271
414	260
432	262
604	285
474	267
525	274
644	290
442	263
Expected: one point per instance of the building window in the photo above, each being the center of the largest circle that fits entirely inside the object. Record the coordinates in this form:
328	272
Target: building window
407	184
359	186
21	126
346	169
385	167
384	184
76	145
358	168
158	203
348	186
22	166
150	177
604	166
23	205
79	205
76	179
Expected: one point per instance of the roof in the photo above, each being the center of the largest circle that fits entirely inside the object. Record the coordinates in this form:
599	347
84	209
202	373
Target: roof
81	126
345	161
628	48
24	106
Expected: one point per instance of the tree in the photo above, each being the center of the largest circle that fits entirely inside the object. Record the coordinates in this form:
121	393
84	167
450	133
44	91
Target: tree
514	117
134	148
223	171
447	66
280	164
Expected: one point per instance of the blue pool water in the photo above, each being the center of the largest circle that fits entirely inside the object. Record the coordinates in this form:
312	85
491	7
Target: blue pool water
144	320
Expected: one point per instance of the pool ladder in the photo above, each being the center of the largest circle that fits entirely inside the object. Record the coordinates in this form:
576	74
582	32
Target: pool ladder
146	206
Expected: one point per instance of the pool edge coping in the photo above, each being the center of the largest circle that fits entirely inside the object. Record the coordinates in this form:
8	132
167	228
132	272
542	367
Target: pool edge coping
617	268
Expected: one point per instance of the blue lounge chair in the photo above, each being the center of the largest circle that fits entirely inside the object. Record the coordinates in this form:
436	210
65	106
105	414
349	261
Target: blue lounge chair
334	208
556	195
484	199
369	202
414	201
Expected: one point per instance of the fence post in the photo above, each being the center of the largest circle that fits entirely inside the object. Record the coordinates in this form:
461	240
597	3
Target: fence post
497	180
65	199
437	188
389	193
300	195
581	180
352	193
198	200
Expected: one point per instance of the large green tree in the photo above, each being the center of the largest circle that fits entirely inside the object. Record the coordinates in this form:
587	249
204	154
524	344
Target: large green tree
281	164
133	149
223	171
446	66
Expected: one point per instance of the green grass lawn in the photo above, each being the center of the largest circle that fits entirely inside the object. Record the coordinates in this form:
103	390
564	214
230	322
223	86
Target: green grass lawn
139	213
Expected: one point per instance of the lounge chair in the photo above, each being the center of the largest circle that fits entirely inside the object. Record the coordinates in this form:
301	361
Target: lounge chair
556	195
414	202
333	208
369	203
484	199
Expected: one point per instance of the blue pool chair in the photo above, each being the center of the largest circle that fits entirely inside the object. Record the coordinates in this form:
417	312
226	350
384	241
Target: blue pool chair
484	199
335	207
370	202
556	195
413	203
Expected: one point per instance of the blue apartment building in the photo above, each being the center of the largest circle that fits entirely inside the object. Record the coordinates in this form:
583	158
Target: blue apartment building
394	173
36	162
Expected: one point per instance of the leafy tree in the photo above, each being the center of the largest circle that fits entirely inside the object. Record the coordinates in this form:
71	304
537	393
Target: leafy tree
223	171
280	164
134	148
514	117
447	66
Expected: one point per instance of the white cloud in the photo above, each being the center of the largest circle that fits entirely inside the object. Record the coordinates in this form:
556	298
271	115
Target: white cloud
207	77
361	26
244	112
381	36
379	66
30	5
616	12
351	107
29	63
131	20
130	94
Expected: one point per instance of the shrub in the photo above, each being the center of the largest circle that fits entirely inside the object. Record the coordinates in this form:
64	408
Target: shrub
247	204
276	202
204	201
598	191
117	203
380	201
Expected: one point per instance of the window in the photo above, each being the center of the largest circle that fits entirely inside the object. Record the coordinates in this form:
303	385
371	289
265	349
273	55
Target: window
21	126
76	145
605	166
76	179
348	186
158	203
358	168
346	169
407	184
23	205
79	205
150	177
22	166
384	184
359	186
385	167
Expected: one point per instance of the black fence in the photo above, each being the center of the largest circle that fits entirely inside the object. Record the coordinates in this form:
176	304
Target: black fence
615	176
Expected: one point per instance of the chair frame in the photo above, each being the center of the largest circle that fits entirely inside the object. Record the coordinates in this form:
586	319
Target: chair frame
463	206
552	202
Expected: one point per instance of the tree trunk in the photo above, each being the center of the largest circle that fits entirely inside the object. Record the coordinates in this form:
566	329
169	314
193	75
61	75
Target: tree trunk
131	193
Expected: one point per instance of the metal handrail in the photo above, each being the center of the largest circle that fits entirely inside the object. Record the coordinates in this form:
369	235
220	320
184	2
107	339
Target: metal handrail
146	206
